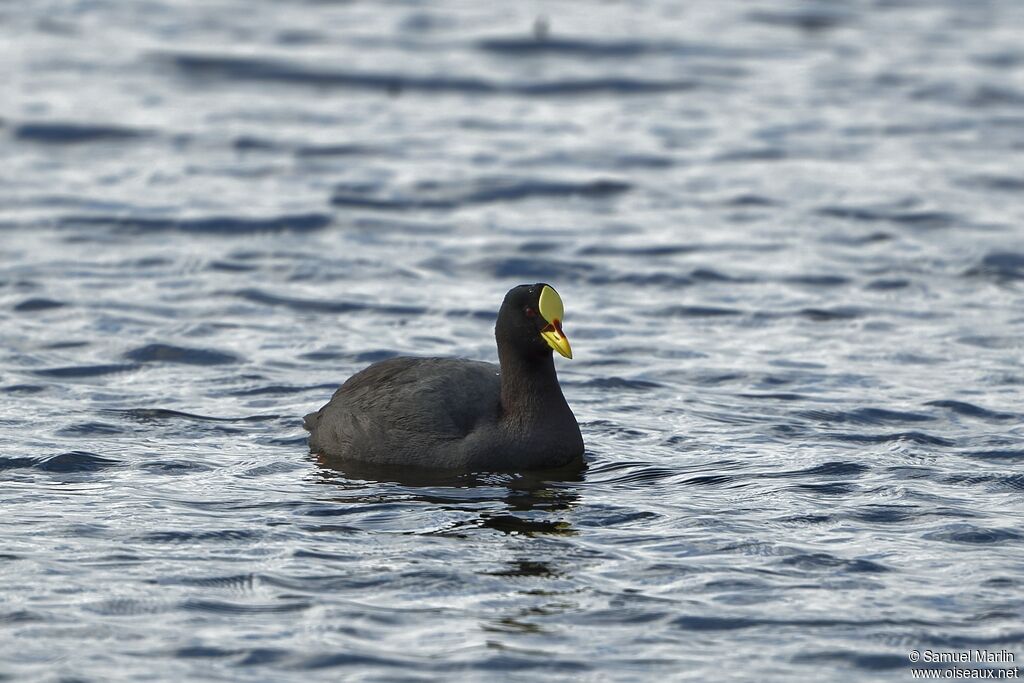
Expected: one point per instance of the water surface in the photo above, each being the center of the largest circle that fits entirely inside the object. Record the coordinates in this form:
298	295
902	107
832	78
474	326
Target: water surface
788	237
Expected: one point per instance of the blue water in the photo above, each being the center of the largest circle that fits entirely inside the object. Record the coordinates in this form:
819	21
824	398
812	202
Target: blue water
790	241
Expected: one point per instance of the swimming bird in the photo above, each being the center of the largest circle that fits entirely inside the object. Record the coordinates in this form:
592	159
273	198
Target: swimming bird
460	414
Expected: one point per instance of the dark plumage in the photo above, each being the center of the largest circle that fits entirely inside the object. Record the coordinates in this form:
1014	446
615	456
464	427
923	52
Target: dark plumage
462	414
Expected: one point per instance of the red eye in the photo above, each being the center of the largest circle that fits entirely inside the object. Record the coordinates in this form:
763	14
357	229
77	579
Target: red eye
530	313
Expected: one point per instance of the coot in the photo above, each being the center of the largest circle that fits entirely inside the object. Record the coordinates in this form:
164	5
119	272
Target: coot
458	414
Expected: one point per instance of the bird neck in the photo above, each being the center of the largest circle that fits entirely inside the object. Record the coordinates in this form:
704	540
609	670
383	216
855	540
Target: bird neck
529	386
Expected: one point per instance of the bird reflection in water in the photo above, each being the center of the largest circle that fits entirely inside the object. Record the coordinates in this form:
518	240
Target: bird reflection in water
525	508
549	491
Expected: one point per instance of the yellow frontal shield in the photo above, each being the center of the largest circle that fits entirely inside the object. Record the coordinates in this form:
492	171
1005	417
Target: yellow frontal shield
552	310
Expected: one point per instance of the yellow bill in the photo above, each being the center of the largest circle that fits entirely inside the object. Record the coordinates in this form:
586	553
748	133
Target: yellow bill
552	310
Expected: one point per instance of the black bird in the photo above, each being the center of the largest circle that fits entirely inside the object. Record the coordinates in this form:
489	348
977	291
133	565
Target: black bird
461	414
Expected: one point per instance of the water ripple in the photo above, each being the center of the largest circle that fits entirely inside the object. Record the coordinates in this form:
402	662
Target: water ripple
437	196
166	353
215	67
70	462
1001	266
60	133
316	306
215	225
